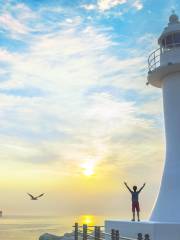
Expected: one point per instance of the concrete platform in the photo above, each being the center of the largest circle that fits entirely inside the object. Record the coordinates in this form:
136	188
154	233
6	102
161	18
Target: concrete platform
157	231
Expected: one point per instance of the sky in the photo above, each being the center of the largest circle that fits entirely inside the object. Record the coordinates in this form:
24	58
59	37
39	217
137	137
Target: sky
77	119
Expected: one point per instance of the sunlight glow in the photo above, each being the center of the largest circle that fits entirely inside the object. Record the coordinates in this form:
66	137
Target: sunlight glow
87	219
88	168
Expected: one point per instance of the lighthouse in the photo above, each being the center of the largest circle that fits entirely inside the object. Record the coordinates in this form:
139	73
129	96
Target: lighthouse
164	73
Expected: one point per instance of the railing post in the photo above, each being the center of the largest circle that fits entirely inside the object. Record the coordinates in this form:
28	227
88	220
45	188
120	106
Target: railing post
146	237
140	236
76	231
113	234
117	234
97	233
84	231
161	51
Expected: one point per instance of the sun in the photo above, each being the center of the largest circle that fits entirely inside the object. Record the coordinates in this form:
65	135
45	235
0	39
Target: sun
88	172
87	219
88	169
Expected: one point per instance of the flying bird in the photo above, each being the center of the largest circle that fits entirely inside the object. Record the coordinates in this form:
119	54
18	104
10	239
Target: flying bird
35	198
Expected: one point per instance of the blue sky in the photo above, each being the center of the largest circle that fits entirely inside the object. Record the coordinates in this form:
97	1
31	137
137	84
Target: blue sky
73	93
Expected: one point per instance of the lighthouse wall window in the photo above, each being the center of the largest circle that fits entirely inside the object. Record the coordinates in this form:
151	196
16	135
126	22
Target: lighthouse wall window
171	40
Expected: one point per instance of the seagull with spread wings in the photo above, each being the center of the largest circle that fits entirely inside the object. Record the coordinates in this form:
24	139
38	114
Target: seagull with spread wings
35	198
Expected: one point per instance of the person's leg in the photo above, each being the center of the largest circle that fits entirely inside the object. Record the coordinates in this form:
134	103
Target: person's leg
138	211
138	216
133	211
133	216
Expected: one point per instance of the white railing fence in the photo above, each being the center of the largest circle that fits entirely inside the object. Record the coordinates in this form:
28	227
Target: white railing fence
154	57
86	232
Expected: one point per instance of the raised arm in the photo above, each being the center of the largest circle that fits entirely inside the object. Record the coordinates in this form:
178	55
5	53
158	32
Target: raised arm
127	187
141	188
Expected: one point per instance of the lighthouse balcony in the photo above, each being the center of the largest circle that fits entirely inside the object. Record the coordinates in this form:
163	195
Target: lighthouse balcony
162	62
164	56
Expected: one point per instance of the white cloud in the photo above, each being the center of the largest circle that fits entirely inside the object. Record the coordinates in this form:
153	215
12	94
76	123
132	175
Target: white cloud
138	4
71	66
23	12
104	5
6	56
12	24
65	65
14	20
89	7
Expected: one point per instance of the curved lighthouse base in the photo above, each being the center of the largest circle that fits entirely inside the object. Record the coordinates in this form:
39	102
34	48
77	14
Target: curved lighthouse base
156	231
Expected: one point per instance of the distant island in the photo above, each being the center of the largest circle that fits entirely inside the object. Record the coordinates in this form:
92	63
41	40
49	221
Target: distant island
47	236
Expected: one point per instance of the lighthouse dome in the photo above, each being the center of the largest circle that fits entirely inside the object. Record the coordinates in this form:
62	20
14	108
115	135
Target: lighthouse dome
168	55
171	33
173	19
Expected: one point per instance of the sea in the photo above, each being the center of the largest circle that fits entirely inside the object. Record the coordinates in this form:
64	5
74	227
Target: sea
32	227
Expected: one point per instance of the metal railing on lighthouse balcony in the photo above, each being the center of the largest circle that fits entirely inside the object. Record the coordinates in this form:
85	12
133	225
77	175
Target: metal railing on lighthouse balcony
154	57
154	60
86	232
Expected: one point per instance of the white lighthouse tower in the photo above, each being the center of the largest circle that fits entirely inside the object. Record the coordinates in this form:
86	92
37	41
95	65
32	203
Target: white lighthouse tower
164	73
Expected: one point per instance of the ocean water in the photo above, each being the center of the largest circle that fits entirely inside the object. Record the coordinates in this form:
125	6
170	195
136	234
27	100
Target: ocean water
30	228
